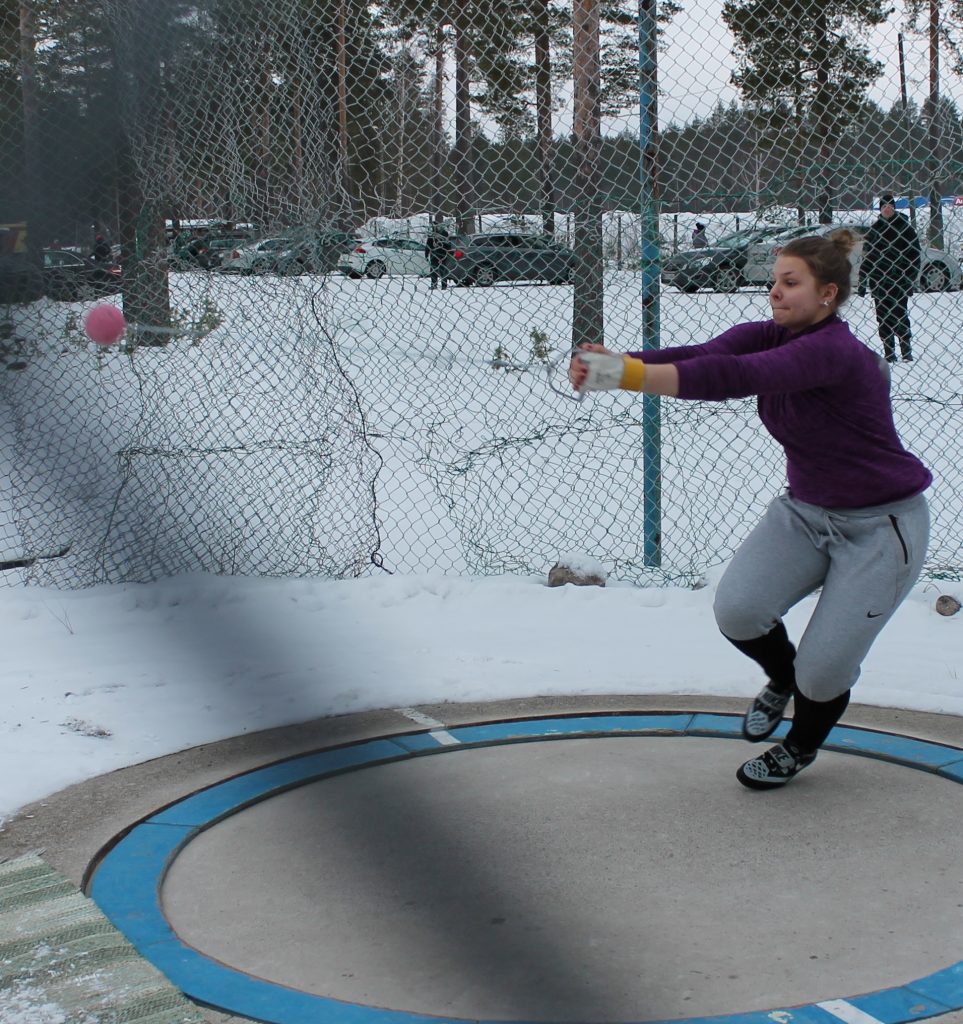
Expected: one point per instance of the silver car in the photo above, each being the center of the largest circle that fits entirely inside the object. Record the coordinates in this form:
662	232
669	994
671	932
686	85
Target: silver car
939	270
254	257
385	256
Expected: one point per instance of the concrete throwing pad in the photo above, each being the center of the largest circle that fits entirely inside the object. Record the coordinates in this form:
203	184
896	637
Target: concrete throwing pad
588	868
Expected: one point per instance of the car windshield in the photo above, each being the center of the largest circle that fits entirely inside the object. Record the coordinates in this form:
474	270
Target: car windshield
744	237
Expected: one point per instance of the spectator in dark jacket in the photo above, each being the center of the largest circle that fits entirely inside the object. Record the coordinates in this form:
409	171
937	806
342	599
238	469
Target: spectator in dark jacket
699	237
890	267
101	251
438	248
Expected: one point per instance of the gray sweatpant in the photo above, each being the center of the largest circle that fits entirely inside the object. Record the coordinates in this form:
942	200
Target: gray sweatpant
866	560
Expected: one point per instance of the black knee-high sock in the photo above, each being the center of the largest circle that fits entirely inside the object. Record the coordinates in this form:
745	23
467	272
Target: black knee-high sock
813	720
774	653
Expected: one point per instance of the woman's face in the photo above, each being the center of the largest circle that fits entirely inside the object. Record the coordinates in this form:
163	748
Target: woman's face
797	299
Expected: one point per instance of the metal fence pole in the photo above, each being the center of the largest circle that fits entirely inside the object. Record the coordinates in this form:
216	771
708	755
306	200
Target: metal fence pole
650	265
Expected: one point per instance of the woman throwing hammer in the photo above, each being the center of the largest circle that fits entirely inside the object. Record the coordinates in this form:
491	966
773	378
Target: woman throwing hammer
853	521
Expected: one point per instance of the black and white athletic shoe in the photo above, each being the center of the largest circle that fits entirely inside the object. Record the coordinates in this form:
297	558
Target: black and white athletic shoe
775	767
765	713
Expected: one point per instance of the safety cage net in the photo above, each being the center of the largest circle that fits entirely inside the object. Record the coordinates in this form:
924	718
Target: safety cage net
289	287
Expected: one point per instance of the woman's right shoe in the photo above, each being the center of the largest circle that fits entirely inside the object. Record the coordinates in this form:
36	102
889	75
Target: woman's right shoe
765	713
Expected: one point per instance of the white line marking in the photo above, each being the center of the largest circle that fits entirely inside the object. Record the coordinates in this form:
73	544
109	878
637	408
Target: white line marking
438	731
847	1012
420	718
444	738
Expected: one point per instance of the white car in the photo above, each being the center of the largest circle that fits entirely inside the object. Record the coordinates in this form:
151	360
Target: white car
939	270
385	256
254	257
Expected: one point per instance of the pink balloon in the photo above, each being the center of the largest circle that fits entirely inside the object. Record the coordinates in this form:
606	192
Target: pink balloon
105	325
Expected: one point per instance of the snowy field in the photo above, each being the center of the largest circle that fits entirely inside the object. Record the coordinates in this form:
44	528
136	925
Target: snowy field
488	477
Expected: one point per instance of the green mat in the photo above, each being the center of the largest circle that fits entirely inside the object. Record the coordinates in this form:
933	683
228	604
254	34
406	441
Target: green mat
63	962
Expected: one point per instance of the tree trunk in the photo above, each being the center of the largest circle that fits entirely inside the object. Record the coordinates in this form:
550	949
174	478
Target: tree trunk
344	218
38	231
935	233
463	147
587	312
822	115
143	245
543	116
438	118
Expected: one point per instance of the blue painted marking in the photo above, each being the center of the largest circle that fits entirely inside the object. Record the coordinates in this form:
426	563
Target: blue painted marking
418	742
128	881
230	796
726	726
913	753
945	986
586	725
953	771
897	1005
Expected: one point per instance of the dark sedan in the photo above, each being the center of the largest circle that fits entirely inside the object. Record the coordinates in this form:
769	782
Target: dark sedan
719	267
68	277
486	258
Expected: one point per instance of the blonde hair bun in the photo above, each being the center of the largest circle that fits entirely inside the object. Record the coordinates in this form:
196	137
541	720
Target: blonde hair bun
844	240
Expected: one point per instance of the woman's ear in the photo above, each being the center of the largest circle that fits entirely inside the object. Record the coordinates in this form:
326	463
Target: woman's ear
830	292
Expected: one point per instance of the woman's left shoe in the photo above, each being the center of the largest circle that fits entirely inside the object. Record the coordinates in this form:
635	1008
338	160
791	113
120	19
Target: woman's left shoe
775	767
765	713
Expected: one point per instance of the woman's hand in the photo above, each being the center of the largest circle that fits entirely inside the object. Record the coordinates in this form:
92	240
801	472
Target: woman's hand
577	370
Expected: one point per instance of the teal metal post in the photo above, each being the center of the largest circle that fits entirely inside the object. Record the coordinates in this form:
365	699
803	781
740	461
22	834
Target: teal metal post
650	270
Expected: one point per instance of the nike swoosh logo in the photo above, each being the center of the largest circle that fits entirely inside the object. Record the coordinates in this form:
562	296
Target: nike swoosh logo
873	615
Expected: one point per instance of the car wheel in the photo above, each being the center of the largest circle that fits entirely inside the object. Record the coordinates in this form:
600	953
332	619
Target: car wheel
934	278
485	276
727	280
375	269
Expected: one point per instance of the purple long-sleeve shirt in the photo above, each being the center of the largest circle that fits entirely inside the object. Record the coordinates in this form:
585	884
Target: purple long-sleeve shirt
822	394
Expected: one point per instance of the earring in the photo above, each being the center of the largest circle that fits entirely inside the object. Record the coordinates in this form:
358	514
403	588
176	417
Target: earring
825	303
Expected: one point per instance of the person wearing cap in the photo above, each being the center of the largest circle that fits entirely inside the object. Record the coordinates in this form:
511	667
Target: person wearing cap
890	268
101	251
699	237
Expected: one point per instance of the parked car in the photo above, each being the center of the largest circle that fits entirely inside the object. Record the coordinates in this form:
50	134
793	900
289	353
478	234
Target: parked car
68	277
486	258
385	256
205	248
314	253
939	270
718	266
762	255
255	257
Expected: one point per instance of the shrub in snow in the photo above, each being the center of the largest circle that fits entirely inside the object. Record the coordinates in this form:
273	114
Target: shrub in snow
578	569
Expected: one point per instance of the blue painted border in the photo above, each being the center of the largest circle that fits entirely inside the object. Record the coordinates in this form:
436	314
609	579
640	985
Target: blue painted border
127	882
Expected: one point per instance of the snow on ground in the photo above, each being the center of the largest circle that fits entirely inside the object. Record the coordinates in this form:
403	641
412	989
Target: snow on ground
97	679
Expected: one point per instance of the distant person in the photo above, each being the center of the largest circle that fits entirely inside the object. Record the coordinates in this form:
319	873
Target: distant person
438	248
101	253
853	524
699	237
890	268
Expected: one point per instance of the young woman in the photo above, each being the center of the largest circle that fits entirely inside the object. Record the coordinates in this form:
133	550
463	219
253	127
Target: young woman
853	521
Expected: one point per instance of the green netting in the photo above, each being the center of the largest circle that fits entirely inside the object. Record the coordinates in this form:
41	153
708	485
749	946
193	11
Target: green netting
297	393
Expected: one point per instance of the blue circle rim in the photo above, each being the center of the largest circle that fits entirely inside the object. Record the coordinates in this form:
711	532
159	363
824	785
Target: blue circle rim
127	882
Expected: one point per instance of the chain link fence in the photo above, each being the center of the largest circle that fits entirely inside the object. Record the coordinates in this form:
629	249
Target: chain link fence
355	244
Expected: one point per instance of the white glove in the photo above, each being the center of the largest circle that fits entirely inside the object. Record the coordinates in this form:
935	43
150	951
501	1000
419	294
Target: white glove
608	372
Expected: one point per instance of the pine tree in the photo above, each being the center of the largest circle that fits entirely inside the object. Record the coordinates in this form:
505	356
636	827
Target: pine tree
805	75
